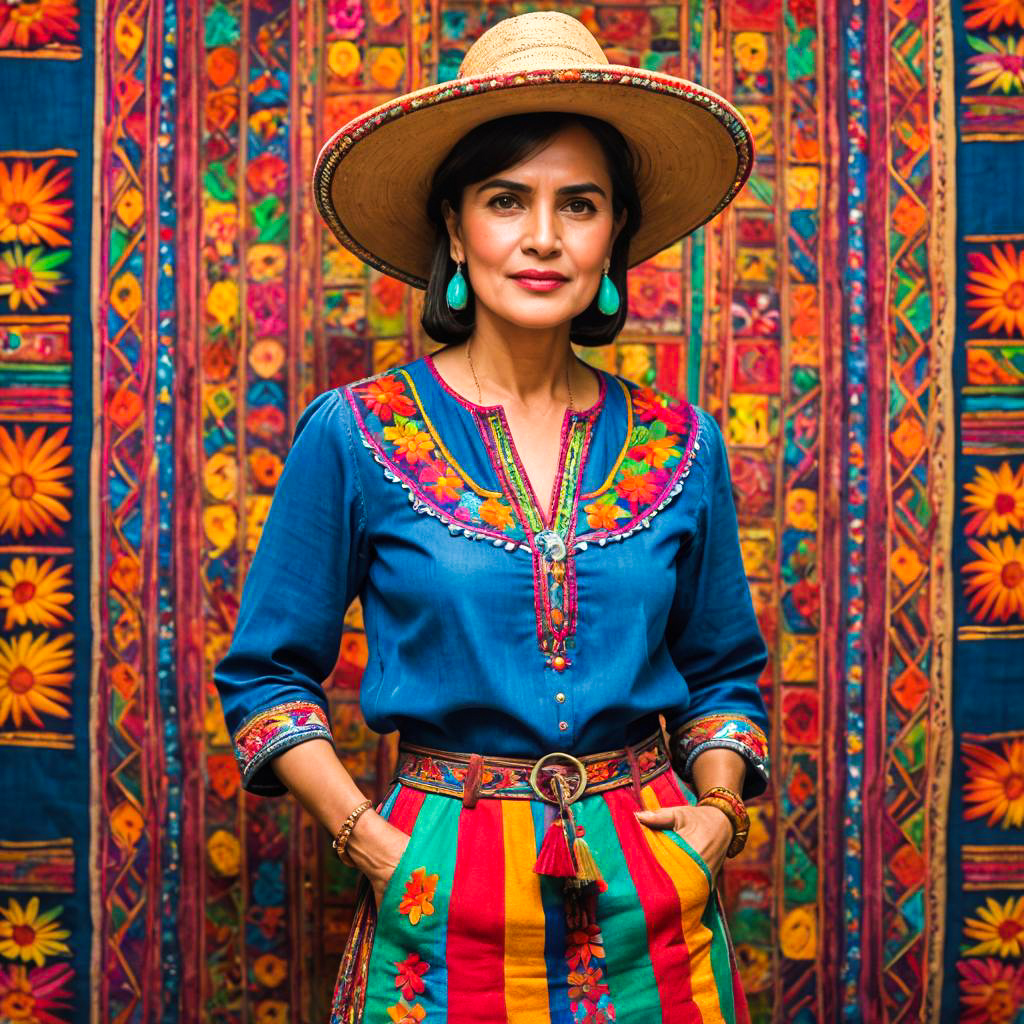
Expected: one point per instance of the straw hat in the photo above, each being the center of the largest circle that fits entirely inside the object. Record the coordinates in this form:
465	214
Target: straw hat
693	149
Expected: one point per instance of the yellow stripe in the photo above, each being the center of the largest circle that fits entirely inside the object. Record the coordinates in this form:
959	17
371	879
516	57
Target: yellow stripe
526	971
692	886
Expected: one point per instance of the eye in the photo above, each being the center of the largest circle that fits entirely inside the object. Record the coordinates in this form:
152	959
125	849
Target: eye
499	201
581	205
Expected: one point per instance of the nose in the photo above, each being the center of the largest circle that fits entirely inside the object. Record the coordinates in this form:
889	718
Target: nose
541	235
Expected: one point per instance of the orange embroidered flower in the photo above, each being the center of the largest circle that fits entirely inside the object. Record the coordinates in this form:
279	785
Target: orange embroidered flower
637	488
656	450
419	894
994	583
410	975
995	500
32	210
442	480
386	396
584	944
603	516
402	1014
995	784
411	443
587	985
497	513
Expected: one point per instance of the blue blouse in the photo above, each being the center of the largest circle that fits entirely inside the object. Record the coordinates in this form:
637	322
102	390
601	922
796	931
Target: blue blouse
490	627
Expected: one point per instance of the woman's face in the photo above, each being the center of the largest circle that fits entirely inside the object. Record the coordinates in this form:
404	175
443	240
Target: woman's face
534	238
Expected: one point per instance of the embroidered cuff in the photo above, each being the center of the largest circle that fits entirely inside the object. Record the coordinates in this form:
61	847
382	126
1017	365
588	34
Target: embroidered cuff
734	732
271	732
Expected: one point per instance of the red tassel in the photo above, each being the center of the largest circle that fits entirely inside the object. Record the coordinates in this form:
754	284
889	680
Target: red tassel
555	857
471	783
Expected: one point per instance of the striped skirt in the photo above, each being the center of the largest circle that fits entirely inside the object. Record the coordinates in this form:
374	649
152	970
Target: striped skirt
468	932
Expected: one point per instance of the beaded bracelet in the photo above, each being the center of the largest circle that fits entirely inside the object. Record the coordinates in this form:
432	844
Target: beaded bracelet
731	805
345	832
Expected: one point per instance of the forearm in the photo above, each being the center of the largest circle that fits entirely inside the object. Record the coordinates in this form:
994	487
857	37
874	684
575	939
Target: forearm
719	766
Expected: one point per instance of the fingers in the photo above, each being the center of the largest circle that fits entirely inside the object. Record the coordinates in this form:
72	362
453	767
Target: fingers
659	817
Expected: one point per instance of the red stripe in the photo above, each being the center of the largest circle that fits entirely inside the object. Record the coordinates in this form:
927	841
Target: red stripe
476	919
660	902
406	808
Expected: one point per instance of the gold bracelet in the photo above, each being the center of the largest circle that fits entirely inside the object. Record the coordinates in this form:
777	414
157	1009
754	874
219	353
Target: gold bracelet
731	805
345	832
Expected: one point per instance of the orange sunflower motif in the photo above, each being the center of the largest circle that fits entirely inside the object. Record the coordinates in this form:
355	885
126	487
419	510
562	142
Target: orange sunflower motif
995	501
997	283
35	593
31	211
998	929
992	14
995	784
995	581
34	678
28	276
32	470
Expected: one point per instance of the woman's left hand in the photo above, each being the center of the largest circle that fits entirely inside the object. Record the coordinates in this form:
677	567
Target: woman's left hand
706	829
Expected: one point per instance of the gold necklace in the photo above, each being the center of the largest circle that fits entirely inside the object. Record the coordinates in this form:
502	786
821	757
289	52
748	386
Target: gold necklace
480	394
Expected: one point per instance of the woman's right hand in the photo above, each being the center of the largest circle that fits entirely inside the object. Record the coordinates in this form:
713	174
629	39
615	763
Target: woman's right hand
375	848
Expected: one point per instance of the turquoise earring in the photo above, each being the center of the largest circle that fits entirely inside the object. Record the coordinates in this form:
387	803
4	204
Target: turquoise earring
608	296
458	292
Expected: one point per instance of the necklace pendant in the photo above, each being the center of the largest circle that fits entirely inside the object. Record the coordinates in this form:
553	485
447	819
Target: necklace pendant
551	544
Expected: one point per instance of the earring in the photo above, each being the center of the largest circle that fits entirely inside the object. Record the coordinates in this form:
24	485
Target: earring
608	296
457	292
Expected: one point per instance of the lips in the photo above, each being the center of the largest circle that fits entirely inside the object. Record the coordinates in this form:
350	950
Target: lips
539	280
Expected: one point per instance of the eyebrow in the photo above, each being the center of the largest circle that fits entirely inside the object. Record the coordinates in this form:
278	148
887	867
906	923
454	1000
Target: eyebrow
518	186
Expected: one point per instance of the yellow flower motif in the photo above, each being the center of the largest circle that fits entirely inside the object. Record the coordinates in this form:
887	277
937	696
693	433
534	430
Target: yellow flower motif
25	934
28	275
411	443
995	784
30	210
995	501
222	303
995	582
34	677
225	853
34	593
31	473
997	928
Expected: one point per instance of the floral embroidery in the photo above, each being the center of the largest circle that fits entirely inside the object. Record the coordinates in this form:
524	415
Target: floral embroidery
663	441
995	783
589	997
395	429
269	732
734	732
402	1014
410	975
419	895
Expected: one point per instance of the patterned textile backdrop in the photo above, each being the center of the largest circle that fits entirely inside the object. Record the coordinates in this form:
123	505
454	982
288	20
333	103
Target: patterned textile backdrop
168	306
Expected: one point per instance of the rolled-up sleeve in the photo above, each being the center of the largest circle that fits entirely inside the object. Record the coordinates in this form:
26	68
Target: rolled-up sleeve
713	634
308	566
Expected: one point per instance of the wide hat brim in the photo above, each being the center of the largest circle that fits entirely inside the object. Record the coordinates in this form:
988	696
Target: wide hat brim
693	153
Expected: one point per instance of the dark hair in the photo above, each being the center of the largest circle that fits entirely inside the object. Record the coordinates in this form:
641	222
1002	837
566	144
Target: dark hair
492	147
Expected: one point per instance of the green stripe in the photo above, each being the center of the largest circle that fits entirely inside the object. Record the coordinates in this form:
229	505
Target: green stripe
631	981
432	846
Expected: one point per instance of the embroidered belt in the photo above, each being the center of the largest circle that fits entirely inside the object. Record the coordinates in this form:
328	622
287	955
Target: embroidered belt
471	776
558	778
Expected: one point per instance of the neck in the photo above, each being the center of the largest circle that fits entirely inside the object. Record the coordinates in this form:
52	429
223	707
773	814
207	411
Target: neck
527	367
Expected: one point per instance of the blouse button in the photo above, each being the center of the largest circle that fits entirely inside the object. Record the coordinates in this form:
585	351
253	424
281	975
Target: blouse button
558	663
563	726
560	697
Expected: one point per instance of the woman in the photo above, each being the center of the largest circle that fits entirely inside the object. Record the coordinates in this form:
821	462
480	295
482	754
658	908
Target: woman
538	856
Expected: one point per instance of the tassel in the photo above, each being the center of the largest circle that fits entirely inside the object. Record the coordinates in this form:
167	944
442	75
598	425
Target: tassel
588	870
555	857
471	783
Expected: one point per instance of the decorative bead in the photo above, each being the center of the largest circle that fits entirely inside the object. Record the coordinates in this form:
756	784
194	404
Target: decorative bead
560	697
608	296
457	293
558	663
551	544
563	726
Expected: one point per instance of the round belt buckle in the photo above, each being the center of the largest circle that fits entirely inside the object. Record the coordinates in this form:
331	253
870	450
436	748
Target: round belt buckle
574	762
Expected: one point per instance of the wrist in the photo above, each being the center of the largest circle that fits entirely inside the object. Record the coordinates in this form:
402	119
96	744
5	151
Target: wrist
364	840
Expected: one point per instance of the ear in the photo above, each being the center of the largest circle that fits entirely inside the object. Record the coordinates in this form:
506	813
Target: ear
452	223
620	223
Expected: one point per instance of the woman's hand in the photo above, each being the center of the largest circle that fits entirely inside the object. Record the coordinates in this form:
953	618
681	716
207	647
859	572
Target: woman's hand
706	829
375	848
